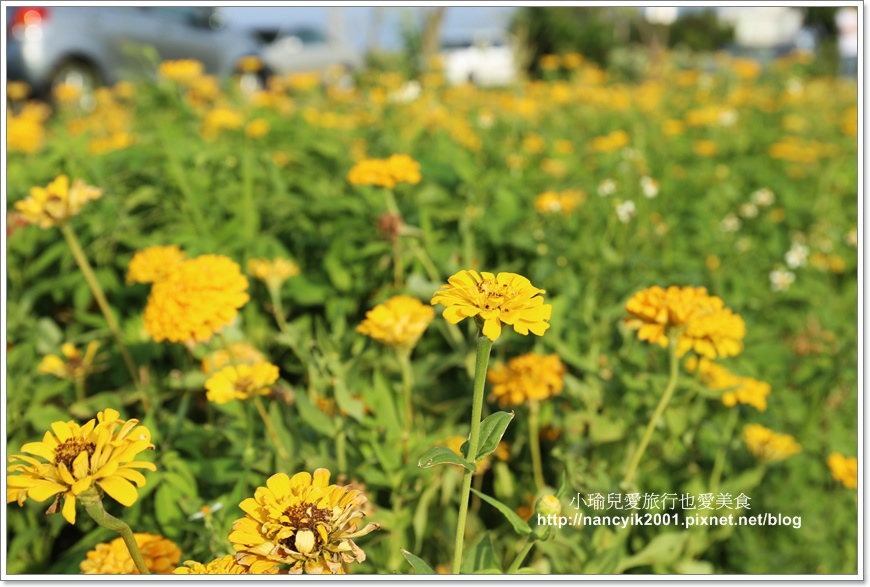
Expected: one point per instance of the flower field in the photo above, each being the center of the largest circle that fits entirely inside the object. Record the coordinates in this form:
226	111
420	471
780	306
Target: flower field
567	327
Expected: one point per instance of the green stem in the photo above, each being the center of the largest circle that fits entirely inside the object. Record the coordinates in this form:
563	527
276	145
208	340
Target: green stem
282	452
95	510
250	215
277	308
484	346
407	387
100	297
660	409
535	443
341	448
527	547
176	169
719	464
80	389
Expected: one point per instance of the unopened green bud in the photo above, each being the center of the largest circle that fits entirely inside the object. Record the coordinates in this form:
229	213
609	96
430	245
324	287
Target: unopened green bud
548	505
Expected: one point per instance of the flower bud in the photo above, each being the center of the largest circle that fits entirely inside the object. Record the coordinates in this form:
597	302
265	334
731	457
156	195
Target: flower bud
548	505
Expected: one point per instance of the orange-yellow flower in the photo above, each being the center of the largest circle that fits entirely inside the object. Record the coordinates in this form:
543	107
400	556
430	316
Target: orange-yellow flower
399	322
767	445
508	298
182	71
72	459
385	172
242	353
844	469
227	565
744	390
527	378
161	556
198	297
56	203
153	263
241	382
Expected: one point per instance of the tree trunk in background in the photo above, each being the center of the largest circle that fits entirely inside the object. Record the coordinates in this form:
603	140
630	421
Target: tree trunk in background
431	37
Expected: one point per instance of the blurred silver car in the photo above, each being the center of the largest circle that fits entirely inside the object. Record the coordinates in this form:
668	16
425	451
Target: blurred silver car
305	49
91	46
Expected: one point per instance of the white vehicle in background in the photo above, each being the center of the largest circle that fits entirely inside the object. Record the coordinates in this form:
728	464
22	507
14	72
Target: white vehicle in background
484	58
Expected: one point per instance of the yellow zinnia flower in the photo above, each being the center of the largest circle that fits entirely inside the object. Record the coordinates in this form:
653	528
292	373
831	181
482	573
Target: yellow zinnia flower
242	353
508	298
744	390
182	71
398	322
153	263
385	172
767	445
57	202
198	297
23	133
273	273
565	202
257	128
72	366
303	522
700	321
99	455
226	565
529	377
16	91
844	470
241	382
161	556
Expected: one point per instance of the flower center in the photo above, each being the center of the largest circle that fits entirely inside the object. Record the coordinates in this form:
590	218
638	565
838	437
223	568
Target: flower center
304	518
496	293
67	452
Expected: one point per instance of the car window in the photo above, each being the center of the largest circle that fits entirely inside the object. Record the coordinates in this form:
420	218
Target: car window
308	36
183	14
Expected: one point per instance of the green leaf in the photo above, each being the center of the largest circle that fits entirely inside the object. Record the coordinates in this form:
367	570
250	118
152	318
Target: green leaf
481	557
441	455
521	527
664	549
491	431
420	567
314	417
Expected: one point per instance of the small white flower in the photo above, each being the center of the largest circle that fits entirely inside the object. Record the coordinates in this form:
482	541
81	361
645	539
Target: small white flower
797	256
781	280
649	187
626	211
606	187
206	510
748	210
730	223
409	92
763	197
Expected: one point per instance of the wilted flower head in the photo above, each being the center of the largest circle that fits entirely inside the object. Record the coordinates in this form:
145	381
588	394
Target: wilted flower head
196	299
273	273
241	382
508	298
56	203
161	556
767	445
73	365
700	322
76	458
227	565
844	469
303	522
399	322
527	378
153	263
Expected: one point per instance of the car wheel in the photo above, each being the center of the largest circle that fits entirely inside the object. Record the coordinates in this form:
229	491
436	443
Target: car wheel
81	75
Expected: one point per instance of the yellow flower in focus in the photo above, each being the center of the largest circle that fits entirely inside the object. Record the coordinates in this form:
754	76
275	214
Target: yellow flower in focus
527	378
198	297
700	321
241	382
182	71
303	522
273	273
399	322
705	148
242	353
153	264
767	445
250	64
101	454
161	556
257	128
56	203
508	298
226	565
844	470
72	366
744	390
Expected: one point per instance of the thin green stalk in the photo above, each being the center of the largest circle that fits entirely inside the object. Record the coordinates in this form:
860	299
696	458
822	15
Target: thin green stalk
177	170
277	308
94	507
535	443
250	214
282	452
660	409
484	347
341	449
80	389
523	553
719	464
407	388
100	297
